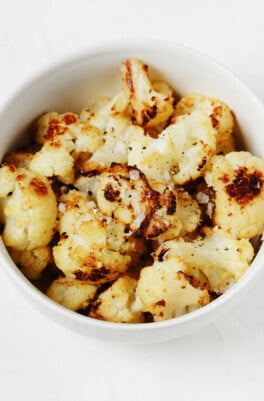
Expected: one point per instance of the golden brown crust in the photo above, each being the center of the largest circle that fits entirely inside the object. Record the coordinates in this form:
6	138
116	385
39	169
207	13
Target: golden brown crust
39	186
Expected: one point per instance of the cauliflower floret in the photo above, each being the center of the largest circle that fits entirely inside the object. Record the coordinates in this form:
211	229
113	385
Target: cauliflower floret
150	107
153	157
116	234
83	251
109	116
114	304
237	179
79	257
73	294
63	137
100	113
123	192
8	175
97	106
32	262
28	208
44	125
188	211
165	223
67	129
54	160
117	138
181	152
220	257
119	239
21	158
166	291
219	113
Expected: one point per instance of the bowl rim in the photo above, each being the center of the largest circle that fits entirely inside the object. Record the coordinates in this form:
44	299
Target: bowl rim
106	47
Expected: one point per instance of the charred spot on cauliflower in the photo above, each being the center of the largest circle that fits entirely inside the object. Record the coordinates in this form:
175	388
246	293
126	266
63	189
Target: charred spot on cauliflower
237	179
150	107
62	138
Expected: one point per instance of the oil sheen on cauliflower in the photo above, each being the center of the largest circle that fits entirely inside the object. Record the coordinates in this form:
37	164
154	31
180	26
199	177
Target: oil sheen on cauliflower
220	257
165	290
237	179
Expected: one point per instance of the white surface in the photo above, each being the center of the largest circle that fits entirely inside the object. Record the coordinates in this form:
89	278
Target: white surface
42	361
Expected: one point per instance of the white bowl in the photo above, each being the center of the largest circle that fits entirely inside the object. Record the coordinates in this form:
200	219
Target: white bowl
74	83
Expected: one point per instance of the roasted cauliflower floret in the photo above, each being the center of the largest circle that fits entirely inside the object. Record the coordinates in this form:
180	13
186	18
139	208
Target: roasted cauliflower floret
153	157
32	262
166	291
93	263
114	304
73	294
150	107
219	113
123	193
119	239
21	158
63	137
180	153
42	126
188	211
54	161
165	223
116	141
28	208
8	175
193	142
100	113
237	179
180	203
109	116
83	251
220	257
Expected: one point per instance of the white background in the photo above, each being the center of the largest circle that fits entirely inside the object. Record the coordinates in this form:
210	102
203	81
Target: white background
42	361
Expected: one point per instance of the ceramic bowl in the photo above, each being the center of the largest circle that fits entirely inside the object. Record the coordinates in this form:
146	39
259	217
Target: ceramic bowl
72	84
